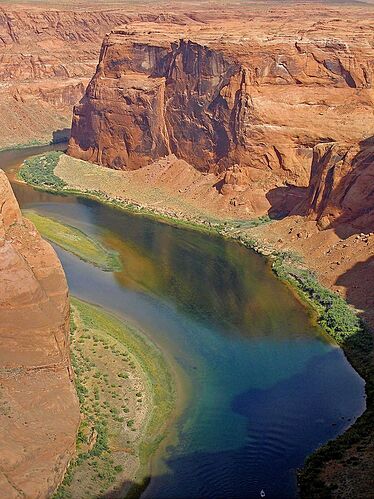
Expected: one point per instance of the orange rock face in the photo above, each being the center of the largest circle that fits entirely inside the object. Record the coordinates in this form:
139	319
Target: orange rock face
340	193
48	53
46	59
228	92
39	411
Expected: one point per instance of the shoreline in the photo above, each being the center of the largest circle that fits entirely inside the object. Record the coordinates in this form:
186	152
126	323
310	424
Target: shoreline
287	266
33	143
106	448
74	241
147	450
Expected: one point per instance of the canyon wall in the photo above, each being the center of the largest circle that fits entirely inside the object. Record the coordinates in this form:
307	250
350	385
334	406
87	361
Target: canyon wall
46	58
220	100
39	410
341	189
48	54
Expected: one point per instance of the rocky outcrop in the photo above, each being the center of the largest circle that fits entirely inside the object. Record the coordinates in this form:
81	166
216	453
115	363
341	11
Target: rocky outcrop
39	411
46	59
41	43
341	192
47	56
221	102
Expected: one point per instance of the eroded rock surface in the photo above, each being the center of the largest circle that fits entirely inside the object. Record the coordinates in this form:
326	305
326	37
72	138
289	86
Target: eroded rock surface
220	95
39	411
341	193
48	53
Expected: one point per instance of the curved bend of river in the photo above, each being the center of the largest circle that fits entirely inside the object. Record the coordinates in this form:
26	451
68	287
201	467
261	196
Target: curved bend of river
267	387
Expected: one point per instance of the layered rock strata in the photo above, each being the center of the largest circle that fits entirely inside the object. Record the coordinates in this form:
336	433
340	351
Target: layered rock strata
39	410
47	55
220	102
341	189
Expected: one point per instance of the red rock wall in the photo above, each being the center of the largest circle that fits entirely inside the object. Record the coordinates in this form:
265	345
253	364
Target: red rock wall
341	188
263	106
39	410
48	53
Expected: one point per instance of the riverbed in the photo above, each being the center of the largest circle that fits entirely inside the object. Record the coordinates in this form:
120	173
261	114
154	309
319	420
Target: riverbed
266	386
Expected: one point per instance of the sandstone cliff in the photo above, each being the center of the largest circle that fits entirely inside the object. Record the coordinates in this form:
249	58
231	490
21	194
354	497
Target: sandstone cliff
39	411
341	192
223	99
47	55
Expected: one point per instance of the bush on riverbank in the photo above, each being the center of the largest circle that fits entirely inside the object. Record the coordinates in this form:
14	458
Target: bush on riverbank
39	171
354	448
335	315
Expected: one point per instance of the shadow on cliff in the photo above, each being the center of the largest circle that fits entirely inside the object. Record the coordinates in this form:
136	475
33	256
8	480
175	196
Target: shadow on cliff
351	199
284	199
359	284
354	218
360	219
61	135
352	196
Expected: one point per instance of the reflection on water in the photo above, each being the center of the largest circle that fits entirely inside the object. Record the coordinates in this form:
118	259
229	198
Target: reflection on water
10	161
267	387
217	281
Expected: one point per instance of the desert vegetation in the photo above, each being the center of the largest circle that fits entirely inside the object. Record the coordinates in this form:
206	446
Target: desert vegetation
75	241
125	392
39	171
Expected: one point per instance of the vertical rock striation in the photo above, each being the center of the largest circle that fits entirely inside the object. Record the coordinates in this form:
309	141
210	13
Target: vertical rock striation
222	103
341	189
39	410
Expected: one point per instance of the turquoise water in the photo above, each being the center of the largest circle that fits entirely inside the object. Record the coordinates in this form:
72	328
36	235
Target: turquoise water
266	387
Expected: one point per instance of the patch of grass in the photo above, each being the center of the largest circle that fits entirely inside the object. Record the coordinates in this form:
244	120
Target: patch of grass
39	171
75	241
249	224
104	430
150	359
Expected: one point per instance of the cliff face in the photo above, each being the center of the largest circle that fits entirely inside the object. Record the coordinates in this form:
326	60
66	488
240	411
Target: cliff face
341	192
39	411
225	100
47	56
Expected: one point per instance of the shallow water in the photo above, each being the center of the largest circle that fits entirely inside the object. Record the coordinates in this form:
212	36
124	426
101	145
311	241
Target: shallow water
266	386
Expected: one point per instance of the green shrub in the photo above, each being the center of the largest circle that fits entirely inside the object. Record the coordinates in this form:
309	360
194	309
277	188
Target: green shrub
335	315
39	171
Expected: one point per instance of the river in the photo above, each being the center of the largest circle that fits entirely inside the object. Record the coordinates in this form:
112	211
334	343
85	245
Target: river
266	386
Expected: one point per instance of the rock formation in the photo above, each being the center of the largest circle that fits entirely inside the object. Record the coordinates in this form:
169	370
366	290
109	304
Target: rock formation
341	192
39	411
222	100
47	56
